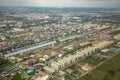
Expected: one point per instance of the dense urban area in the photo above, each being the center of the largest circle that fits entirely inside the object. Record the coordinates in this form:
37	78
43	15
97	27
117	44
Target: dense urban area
59	43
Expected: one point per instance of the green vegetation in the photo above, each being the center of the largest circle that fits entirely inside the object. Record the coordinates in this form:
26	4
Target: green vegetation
11	39
115	32
110	70
23	75
68	38
1	41
115	18
4	63
10	18
37	23
92	60
68	51
99	22
17	77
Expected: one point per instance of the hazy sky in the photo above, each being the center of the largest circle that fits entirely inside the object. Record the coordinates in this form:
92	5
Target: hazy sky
62	3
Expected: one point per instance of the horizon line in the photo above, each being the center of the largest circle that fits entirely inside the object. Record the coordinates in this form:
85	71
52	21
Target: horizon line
54	7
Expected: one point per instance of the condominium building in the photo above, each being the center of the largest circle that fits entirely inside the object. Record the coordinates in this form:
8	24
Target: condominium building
71	59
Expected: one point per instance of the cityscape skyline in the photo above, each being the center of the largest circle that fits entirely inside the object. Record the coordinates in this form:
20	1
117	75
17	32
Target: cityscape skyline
61	3
59	40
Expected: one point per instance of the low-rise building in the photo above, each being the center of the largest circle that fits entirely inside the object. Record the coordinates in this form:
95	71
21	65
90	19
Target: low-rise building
71	59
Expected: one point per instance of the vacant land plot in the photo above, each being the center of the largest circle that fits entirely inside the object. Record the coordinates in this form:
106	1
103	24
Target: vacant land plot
109	70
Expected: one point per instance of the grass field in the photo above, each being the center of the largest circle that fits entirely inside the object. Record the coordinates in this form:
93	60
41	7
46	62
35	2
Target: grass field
109	70
4	63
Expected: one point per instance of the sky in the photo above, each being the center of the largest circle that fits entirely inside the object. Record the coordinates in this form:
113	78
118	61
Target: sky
61	3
